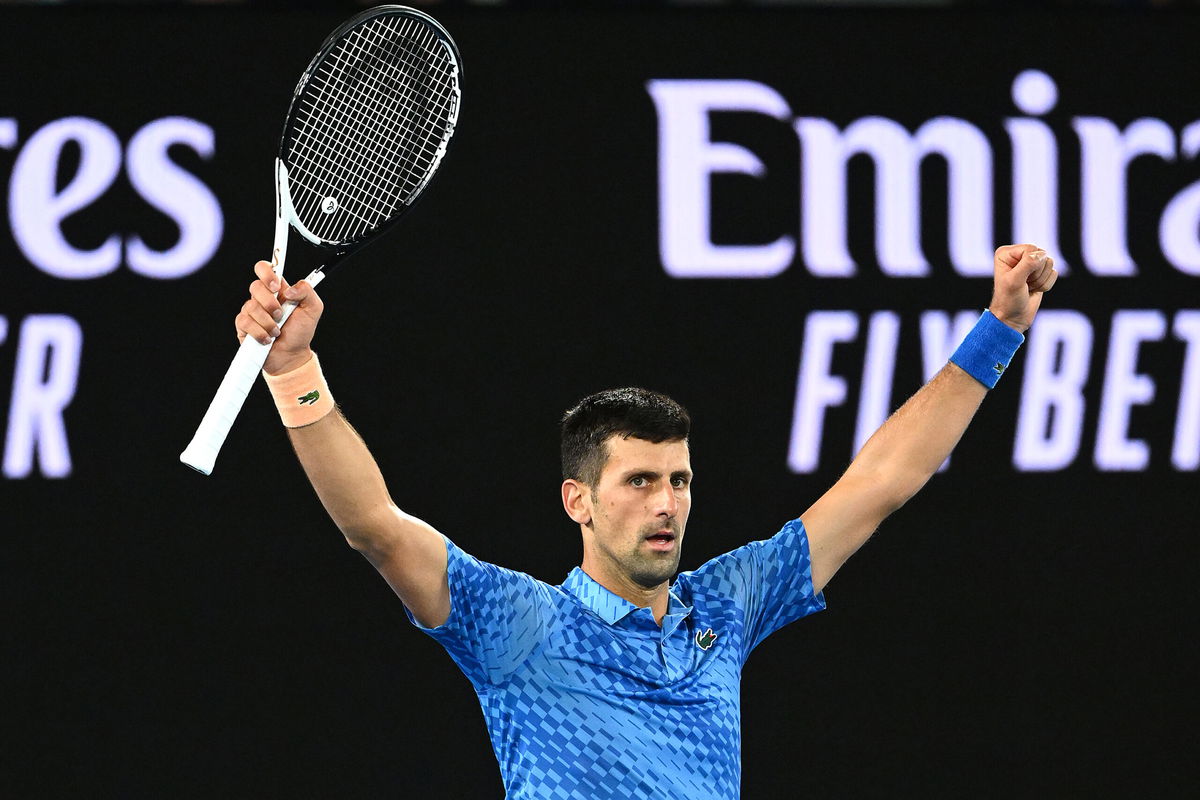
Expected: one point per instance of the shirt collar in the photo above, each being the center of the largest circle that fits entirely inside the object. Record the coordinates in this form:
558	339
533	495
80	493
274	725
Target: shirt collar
613	608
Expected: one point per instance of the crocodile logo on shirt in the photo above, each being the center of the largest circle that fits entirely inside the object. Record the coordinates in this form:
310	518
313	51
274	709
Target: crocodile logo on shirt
705	640
309	398
999	368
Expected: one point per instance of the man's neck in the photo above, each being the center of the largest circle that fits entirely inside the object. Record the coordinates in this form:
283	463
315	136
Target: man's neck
653	598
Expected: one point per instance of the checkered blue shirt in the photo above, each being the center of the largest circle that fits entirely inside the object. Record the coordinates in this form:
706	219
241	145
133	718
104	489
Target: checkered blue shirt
587	698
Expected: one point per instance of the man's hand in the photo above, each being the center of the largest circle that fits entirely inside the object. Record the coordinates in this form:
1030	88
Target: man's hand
1023	273
259	316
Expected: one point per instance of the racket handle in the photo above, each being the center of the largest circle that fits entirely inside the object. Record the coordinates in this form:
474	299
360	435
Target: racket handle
201	452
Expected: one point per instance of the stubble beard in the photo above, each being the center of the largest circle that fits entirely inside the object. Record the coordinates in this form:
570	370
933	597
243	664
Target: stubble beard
653	569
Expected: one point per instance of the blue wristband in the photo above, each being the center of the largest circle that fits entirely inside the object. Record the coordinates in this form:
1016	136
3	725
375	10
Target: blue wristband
987	350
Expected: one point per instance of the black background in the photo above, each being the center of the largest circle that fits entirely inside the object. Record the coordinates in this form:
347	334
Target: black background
165	634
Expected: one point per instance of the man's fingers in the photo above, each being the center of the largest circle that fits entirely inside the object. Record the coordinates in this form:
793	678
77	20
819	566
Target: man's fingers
255	322
298	292
264	319
266	273
1046	283
263	296
304	294
1039	275
1010	254
1031	261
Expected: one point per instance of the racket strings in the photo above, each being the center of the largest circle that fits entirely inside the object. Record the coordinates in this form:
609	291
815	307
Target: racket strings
430	91
371	126
377	119
415	140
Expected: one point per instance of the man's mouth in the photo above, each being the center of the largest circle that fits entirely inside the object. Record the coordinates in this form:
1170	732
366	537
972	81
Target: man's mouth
661	539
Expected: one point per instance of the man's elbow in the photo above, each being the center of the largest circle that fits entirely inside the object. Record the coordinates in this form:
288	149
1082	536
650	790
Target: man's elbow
370	532
886	491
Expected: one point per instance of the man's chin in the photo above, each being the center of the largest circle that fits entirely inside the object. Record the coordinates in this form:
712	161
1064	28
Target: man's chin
658	570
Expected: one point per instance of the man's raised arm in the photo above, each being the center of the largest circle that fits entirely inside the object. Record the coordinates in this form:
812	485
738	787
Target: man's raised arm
409	553
907	449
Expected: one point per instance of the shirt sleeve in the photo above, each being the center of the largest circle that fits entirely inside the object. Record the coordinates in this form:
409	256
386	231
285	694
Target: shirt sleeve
771	580
497	617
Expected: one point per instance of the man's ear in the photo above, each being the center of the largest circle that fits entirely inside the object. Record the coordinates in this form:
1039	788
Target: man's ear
577	501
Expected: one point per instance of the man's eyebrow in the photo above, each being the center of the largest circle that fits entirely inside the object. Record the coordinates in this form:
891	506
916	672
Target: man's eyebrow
643	472
640	472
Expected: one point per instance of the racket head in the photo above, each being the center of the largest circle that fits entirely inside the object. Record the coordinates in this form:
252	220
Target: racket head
369	123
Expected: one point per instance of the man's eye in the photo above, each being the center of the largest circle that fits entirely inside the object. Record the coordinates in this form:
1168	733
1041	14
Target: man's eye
637	481
679	483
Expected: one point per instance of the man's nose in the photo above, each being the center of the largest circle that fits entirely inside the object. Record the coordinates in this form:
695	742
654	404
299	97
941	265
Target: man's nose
668	503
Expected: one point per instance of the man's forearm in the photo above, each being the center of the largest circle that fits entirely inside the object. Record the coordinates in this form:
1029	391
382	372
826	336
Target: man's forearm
893	466
902	455
344	474
910	446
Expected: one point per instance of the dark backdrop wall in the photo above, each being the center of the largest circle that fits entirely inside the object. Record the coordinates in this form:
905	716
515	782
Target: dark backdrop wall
1023	627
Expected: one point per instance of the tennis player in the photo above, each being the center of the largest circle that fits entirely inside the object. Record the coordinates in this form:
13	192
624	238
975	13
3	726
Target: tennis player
623	681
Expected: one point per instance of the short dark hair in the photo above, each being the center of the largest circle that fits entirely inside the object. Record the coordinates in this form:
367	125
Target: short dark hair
630	412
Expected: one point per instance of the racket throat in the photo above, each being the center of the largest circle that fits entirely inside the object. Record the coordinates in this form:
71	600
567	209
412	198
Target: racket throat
283	216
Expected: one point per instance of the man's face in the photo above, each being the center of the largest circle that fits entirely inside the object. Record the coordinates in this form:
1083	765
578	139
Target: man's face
639	509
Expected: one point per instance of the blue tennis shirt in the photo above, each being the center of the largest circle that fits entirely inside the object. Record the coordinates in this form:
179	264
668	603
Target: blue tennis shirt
586	697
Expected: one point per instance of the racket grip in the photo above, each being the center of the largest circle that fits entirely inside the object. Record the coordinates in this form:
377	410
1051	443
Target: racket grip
201	452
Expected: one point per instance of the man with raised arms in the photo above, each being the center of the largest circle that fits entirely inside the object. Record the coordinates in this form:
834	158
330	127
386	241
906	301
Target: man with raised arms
623	681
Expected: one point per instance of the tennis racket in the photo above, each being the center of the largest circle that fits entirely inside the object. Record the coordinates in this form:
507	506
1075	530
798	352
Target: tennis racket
369	124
